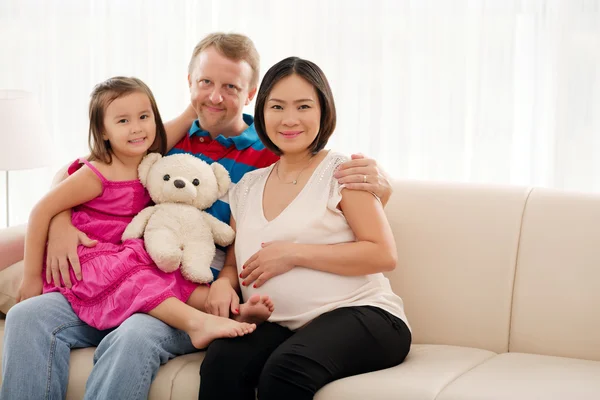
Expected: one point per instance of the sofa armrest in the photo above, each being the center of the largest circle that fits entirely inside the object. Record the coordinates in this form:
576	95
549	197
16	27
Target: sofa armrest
12	245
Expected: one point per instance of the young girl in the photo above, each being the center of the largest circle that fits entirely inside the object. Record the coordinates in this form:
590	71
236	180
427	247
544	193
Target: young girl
119	279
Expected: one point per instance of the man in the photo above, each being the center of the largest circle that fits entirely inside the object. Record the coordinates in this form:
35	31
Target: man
40	333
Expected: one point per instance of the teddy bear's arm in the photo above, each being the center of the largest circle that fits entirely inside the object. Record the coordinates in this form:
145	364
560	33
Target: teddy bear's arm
137	226
222	233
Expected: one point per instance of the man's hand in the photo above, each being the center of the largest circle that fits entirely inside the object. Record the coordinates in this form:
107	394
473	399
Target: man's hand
222	298
364	174
63	239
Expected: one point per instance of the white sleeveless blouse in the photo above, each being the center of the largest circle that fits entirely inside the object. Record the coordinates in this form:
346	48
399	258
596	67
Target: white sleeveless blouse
303	294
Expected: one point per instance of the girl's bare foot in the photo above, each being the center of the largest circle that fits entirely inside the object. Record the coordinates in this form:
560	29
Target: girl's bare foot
210	327
256	310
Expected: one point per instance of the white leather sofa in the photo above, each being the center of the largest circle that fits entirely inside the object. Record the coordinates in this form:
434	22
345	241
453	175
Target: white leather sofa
501	286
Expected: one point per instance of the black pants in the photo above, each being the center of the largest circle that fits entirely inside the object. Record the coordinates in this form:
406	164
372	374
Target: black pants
295	365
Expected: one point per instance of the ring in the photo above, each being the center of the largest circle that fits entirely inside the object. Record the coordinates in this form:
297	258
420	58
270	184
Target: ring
364	179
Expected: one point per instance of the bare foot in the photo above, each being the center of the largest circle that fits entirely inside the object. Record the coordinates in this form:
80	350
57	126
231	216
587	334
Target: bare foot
211	327
256	310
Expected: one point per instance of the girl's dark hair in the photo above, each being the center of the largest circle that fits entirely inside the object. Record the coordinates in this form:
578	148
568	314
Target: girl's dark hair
313	75
105	93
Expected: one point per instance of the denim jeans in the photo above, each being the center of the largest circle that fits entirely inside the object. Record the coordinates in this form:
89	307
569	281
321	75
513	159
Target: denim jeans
40	333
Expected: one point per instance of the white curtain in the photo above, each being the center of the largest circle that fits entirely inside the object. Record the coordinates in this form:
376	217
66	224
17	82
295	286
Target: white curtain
491	91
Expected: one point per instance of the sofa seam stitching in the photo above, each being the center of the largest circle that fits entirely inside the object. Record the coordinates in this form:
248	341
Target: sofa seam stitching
464	373
514	282
511	297
177	373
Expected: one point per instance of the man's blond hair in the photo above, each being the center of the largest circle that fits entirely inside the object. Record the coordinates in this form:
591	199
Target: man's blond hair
234	46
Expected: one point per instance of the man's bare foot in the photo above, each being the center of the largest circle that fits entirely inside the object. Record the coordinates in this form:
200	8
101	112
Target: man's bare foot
211	327
256	310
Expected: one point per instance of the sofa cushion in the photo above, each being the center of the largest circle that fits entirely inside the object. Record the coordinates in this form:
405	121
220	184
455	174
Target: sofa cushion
557	283
177	378
519	376
424	373
427	369
80	366
186	383
10	280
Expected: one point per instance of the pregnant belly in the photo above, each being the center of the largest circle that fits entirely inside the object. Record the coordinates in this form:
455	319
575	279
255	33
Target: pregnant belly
303	290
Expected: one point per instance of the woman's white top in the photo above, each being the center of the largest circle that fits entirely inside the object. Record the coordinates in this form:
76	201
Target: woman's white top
313	217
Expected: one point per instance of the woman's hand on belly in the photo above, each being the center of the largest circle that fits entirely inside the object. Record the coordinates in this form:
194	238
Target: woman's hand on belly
274	258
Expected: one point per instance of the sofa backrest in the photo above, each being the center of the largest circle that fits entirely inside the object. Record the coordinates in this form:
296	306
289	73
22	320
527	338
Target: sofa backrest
499	268
491	267
457	248
556	302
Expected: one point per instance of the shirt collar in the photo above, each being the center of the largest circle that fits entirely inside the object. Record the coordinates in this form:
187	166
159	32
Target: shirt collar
241	141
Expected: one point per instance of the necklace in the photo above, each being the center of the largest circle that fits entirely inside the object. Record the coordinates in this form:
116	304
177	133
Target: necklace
295	181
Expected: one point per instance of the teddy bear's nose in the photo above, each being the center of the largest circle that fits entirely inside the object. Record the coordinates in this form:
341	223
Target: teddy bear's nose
179	184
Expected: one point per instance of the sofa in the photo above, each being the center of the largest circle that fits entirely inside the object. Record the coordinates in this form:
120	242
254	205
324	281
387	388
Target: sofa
501	287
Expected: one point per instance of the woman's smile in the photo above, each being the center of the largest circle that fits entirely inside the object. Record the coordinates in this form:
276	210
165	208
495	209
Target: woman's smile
290	134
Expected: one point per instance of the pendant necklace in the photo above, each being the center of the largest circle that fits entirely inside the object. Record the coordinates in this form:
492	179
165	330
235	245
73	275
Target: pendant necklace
295	181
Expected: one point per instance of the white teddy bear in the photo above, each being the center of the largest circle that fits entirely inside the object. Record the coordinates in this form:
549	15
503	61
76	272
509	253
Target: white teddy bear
176	231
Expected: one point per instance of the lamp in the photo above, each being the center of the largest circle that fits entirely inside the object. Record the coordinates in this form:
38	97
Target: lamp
24	142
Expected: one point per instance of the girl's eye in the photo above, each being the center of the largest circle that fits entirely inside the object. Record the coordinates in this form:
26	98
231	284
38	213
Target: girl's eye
122	121
277	107
145	116
304	107
167	177
195	182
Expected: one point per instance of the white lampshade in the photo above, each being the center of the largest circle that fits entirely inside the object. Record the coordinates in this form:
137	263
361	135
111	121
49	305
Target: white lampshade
24	141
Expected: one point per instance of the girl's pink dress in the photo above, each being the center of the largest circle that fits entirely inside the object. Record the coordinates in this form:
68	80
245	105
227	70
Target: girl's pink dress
118	278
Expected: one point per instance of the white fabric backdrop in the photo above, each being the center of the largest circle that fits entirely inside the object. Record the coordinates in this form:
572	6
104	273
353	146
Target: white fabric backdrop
466	90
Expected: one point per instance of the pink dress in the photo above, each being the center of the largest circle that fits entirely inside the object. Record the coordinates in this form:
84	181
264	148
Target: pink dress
118	278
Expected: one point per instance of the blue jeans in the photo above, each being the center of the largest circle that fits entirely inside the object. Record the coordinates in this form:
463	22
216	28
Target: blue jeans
40	333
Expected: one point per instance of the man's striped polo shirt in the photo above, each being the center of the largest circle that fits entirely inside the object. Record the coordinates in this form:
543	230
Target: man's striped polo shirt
238	154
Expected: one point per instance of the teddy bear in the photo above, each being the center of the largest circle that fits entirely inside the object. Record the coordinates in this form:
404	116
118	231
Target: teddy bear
176	230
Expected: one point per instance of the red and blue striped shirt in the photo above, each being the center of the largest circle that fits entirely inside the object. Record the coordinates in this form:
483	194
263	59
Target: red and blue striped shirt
238	154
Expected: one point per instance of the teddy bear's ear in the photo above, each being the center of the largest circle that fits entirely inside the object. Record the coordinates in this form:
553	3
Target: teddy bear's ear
144	167
223	180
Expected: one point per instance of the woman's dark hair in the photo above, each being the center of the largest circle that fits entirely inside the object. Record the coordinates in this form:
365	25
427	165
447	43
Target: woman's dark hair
105	93
313	75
